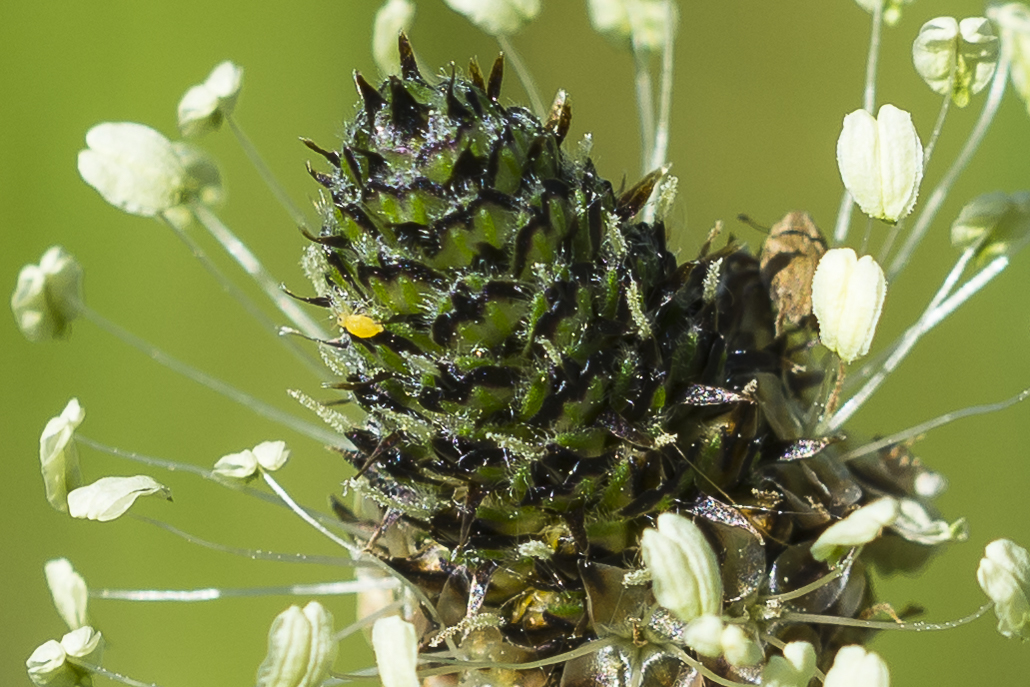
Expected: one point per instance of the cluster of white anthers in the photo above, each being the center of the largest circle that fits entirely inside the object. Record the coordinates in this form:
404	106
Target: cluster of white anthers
687	582
301	643
881	161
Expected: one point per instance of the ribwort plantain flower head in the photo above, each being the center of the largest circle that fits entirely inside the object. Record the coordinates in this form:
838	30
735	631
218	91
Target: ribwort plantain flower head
571	454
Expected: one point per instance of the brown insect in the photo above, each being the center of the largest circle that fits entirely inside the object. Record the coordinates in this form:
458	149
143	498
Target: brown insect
789	257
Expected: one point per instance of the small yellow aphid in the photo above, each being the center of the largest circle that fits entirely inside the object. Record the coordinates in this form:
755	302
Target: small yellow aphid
361	326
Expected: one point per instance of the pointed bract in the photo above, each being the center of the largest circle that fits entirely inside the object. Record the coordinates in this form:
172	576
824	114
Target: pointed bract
394	17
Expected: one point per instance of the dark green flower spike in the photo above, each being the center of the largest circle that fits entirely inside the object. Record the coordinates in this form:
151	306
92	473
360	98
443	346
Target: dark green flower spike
541	378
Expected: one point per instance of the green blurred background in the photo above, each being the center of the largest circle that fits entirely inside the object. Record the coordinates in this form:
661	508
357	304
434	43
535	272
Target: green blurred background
758	102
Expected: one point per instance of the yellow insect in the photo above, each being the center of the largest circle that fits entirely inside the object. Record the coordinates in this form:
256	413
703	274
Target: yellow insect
361	326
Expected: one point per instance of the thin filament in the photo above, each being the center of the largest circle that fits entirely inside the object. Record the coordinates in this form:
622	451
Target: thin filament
938	309
173	466
253	554
936	200
525	76
265	173
885	624
840	232
214	593
245	301
256	405
253	267
109	674
936	422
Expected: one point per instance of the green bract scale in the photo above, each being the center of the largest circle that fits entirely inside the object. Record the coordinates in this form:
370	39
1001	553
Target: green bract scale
541	378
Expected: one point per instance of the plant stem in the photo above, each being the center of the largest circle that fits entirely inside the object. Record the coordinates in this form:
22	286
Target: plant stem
525	76
938	309
840	232
246	259
884	624
645	105
253	554
872	59
258	406
936	422
246	302
936	133
661	134
266	174
213	593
